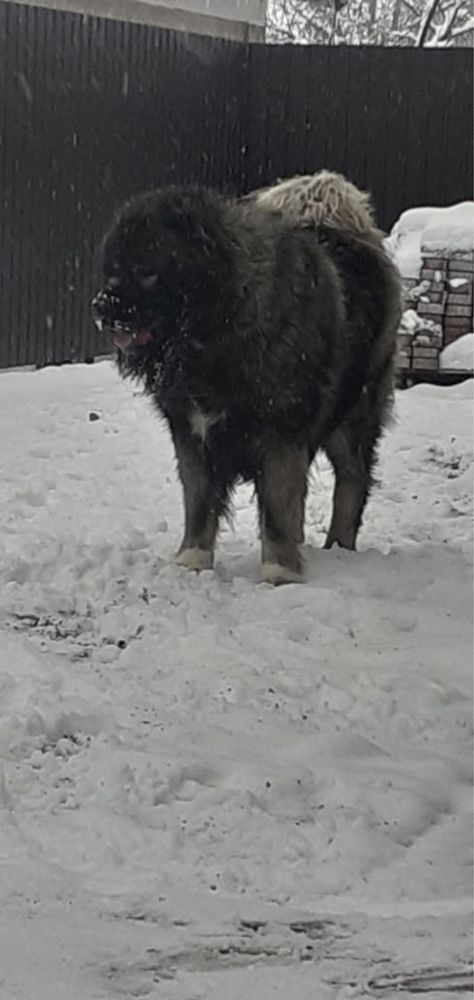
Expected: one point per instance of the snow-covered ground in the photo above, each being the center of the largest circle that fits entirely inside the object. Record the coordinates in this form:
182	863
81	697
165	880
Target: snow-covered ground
210	789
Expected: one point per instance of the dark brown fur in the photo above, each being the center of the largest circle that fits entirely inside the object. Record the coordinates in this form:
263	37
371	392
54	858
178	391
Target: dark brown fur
265	341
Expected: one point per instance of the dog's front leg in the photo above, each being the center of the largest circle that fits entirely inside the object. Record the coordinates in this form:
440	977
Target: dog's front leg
203	504
281	489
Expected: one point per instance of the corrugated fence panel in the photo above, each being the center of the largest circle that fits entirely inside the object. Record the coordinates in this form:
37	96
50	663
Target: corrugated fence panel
397	121
94	110
91	112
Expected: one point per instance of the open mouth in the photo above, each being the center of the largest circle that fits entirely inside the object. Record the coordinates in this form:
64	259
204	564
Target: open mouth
124	337
126	340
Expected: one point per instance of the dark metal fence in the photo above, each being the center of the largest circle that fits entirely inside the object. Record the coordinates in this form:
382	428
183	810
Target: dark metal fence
93	110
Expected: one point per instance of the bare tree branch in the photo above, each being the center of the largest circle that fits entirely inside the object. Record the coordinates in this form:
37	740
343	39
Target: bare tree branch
411	8
463	29
446	29
426	23
421	23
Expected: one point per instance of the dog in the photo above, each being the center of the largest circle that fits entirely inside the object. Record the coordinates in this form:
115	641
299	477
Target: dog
260	341
327	198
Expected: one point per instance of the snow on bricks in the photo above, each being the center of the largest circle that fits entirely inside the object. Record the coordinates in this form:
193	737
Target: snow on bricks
434	250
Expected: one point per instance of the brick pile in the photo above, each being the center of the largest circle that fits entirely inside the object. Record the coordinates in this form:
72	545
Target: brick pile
442	299
458	318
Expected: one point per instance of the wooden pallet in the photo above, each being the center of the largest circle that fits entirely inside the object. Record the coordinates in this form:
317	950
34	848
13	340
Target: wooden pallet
406	377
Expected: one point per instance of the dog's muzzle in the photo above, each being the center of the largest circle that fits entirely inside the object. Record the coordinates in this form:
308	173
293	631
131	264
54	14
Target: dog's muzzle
119	320
109	310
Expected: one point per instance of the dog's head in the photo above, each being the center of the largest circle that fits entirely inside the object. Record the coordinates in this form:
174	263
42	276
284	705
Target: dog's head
161	267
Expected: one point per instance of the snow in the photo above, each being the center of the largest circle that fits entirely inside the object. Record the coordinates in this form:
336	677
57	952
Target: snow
212	789
410	322
459	354
430	229
448	238
425	331
455	283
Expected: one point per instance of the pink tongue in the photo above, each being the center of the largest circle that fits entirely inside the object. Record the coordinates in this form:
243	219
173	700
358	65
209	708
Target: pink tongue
124	340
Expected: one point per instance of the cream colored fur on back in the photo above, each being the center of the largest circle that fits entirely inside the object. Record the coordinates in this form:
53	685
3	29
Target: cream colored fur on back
325	197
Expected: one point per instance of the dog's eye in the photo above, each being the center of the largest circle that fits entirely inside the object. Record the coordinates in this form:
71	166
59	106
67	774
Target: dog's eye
113	280
145	279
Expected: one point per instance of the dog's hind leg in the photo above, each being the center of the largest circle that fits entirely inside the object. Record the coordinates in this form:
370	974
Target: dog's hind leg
352	450
352	461
204	503
281	486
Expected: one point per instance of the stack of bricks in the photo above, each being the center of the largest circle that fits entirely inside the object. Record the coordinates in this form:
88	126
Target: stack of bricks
420	347
458	318
405	344
426	351
443	300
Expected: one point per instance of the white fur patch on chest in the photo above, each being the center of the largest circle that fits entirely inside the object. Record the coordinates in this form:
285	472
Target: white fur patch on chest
201	423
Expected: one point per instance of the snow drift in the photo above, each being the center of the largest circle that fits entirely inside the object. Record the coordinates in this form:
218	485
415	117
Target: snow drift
208	788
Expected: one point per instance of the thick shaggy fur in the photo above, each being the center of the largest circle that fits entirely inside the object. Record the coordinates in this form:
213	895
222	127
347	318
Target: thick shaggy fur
260	342
323	198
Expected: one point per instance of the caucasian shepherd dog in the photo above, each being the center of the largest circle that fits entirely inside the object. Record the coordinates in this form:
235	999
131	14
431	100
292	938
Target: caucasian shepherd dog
261	338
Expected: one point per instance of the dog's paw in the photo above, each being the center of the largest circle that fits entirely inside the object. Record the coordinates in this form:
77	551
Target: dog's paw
276	574
197	559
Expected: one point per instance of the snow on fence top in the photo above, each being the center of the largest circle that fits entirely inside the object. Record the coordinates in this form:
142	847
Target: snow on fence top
421	231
